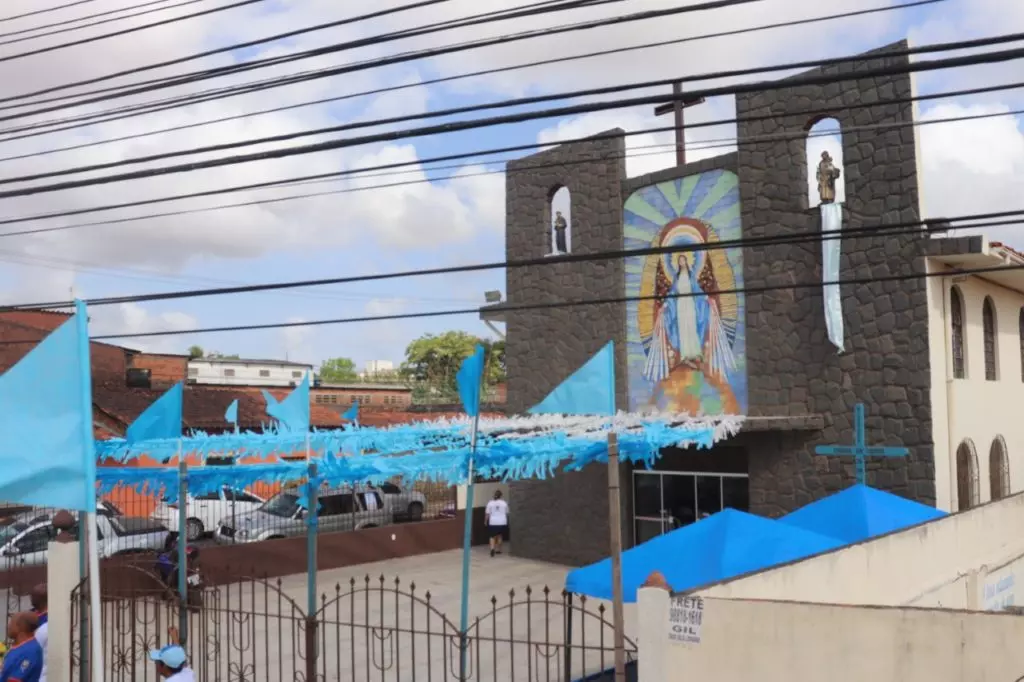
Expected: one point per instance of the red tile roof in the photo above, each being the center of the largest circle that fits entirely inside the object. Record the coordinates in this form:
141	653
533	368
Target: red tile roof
203	406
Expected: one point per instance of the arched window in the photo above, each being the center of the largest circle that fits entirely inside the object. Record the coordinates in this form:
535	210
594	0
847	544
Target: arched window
956	317
988	325
998	469
967	485
561	221
1020	337
826	182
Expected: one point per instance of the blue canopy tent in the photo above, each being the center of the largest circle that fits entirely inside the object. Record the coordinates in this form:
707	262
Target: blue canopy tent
721	546
859	513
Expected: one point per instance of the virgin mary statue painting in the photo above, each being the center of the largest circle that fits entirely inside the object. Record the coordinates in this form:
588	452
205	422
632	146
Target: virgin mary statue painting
687	327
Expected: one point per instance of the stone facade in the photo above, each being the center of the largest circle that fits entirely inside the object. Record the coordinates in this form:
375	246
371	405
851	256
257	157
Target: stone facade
793	369
794	373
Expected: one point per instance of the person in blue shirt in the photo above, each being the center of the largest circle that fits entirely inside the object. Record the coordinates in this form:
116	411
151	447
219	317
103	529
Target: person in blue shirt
24	661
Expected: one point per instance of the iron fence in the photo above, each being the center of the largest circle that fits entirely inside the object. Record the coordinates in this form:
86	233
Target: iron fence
372	630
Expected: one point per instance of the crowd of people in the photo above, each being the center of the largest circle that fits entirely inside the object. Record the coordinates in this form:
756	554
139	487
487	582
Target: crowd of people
24	659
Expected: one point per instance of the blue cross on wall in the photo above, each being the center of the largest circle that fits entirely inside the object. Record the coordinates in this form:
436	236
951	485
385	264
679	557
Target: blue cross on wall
860	450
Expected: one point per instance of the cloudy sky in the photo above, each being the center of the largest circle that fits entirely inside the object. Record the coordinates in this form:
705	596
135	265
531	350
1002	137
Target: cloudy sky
426	217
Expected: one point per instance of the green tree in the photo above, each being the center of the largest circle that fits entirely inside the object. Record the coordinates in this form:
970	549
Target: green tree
338	370
195	352
433	360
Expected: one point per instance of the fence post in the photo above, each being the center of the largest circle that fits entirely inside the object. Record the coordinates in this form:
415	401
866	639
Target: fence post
62	576
182	550
83	603
311	562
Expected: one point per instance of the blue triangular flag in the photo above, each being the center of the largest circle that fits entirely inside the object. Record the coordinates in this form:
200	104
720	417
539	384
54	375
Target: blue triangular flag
292	413
271	400
231	414
352	413
589	390
47	454
469	379
162	419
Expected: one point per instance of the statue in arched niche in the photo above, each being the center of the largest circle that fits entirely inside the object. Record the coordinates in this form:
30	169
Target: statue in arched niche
827	176
560	226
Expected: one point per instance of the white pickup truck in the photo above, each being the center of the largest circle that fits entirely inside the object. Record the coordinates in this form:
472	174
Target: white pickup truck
25	544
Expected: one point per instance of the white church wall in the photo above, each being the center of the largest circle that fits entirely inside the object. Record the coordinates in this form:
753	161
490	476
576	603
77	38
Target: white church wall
978	410
940	358
741	640
943	563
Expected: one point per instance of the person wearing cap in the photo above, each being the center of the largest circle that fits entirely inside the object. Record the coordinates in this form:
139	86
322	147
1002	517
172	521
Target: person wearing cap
172	663
24	661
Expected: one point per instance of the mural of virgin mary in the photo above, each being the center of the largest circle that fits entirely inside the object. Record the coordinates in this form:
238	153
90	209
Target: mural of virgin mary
688	329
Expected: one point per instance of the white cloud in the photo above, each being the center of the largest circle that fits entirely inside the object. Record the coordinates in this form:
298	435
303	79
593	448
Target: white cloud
131	318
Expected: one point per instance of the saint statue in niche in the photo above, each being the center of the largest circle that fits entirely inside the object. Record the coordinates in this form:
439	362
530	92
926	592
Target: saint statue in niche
827	176
561	225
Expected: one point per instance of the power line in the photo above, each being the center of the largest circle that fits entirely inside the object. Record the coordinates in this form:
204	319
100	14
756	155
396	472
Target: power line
180	79
450	157
986	58
572	303
122	32
68	29
890	229
432	81
47	10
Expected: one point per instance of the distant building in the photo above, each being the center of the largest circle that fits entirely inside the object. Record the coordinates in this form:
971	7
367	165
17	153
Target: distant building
377	367
369	395
245	372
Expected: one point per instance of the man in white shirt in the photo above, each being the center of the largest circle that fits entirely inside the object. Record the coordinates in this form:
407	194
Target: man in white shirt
39	607
496	518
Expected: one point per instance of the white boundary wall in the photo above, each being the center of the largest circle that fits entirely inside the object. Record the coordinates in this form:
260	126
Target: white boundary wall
963	561
795	642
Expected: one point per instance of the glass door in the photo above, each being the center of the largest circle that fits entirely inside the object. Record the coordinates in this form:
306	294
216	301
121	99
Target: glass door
648	521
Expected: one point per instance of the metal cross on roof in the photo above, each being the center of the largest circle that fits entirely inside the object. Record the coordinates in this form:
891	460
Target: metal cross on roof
860	450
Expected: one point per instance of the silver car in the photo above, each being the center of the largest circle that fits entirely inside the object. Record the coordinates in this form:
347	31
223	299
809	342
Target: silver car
340	509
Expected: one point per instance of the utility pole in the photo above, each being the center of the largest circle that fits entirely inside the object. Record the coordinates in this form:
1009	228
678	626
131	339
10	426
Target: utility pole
678	106
615	521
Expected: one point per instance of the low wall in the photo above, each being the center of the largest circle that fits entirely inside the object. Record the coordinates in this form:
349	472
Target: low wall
967	560
224	564
742	640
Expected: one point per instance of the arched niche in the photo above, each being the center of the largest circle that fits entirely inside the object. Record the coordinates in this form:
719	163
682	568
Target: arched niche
825	136
561	220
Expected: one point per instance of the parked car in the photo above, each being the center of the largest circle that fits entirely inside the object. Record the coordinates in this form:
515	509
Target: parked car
403	503
281	516
203	512
33	516
26	544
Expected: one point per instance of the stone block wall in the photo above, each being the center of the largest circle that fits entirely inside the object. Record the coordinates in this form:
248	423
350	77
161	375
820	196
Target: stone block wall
566	518
794	369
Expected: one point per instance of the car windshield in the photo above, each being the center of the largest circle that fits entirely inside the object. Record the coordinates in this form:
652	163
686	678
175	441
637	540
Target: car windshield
282	504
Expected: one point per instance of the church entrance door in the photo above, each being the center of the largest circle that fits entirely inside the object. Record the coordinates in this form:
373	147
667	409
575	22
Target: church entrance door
666	498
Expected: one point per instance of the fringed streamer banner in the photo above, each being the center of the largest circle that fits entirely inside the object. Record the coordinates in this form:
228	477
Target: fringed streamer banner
443	435
510	456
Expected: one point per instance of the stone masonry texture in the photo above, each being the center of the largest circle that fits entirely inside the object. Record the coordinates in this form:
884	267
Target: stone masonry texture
793	370
565	518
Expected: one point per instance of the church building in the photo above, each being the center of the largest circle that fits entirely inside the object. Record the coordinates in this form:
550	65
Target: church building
936	358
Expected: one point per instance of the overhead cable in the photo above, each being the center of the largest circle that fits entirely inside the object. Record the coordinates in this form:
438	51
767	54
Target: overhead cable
35	29
811	79
116	115
360	173
875	230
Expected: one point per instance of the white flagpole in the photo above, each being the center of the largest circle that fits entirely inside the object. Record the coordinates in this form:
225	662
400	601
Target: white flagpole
89	516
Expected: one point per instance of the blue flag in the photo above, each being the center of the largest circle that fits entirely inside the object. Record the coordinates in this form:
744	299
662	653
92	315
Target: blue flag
231	414
589	390
469	379
162	419
352	413
271	400
47	454
292	413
